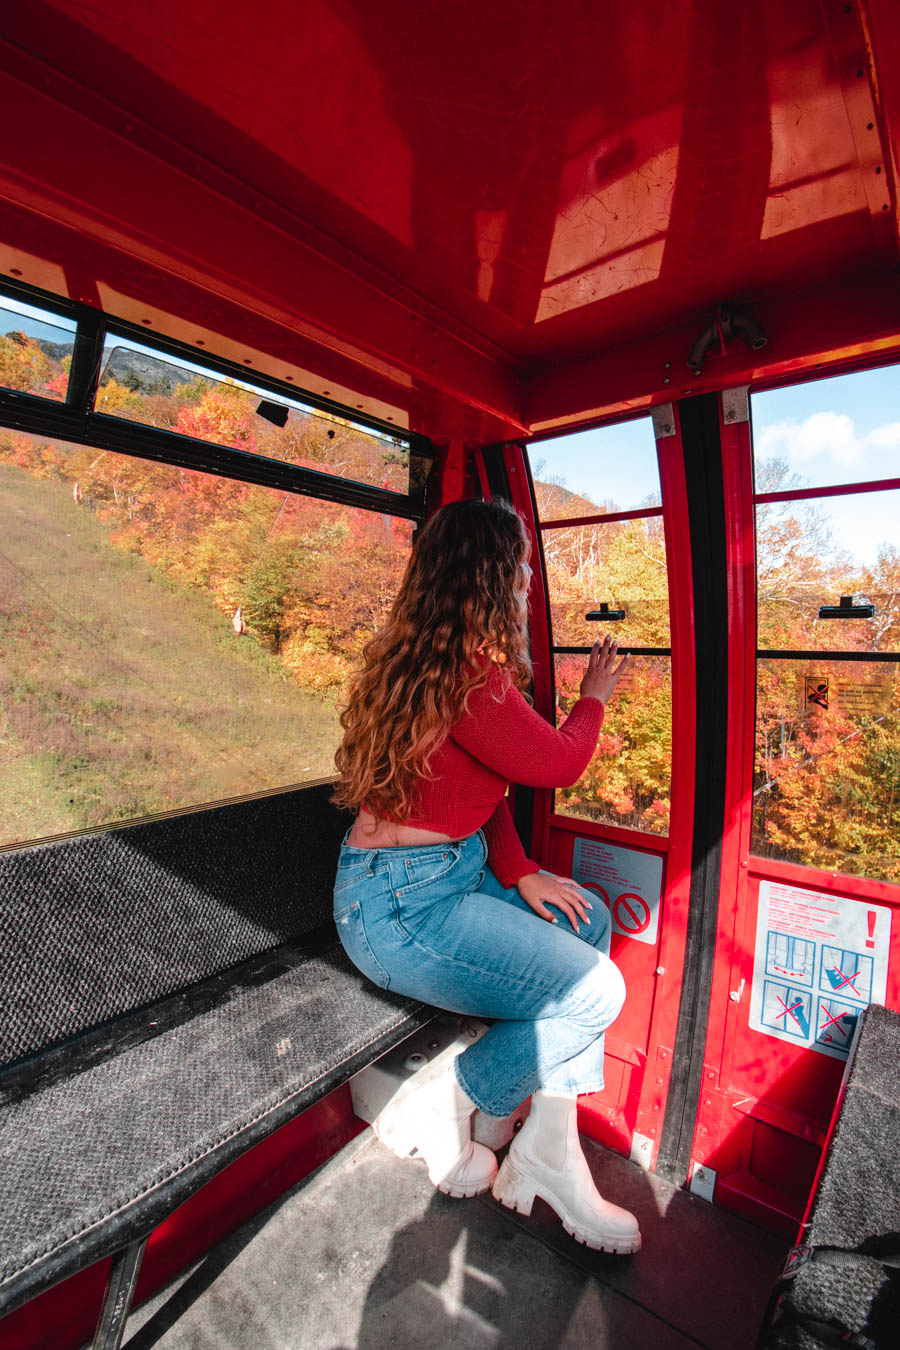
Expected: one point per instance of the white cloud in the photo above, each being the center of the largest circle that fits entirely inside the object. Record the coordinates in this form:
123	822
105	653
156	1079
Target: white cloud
828	434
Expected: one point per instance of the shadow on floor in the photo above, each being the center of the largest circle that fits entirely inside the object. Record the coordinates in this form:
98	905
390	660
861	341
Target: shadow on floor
365	1255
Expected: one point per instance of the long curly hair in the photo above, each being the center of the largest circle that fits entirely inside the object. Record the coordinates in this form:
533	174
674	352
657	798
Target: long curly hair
460	608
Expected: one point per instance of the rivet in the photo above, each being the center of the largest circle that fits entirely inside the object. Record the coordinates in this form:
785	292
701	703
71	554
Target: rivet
729	416
878	170
200	342
146	320
667	365
15	271
247	361
667	379
870	126
667	428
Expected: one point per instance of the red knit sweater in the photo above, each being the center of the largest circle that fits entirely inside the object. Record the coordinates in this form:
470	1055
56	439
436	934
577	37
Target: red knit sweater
501	739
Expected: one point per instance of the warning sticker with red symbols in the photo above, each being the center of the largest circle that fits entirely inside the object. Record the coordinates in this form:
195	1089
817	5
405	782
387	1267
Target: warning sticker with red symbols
627	881
820	959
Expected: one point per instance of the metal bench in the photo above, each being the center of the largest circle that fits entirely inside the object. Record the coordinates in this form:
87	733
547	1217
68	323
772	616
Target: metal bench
173	992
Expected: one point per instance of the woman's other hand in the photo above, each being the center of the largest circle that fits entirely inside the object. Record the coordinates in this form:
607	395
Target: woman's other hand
540	889
602	674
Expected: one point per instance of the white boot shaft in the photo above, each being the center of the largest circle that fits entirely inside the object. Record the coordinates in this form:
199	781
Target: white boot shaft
545	1159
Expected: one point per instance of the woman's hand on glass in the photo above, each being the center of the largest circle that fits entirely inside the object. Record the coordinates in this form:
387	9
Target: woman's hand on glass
602	674
540	889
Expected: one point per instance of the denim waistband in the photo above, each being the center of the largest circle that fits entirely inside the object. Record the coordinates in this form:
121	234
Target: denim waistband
369	858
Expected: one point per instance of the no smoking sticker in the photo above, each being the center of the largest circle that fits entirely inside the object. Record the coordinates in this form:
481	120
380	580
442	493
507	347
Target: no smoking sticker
628	882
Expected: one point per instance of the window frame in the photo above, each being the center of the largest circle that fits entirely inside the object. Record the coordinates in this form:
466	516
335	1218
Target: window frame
77	422
760	863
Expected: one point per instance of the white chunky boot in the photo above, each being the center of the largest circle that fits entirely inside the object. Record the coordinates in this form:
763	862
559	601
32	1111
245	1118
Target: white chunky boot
545	1159
430	1116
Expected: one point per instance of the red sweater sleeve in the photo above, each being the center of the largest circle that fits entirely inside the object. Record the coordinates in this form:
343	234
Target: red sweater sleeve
505	733
506	856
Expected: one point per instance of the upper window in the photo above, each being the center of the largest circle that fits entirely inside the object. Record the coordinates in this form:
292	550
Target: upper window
598	496
138	384
35	349
603	471
842	430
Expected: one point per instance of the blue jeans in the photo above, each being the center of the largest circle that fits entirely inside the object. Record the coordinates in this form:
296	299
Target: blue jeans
435	924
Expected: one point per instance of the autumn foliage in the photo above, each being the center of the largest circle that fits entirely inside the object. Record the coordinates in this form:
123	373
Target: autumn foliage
311	581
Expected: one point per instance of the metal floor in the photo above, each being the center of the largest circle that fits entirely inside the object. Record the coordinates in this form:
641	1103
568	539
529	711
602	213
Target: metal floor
365	1254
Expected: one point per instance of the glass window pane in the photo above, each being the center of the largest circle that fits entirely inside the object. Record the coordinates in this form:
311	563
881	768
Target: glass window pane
623	565
628	781
827	779
810	553
138	384
35	349
843	430
588	472
169	637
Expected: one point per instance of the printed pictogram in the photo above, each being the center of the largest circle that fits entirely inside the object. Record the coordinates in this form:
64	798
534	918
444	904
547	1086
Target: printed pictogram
847	973
836	1024
791	958
786	1009
598	890
631	914
816	692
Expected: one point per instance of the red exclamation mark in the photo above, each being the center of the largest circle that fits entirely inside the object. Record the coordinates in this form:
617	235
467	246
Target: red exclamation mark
871	916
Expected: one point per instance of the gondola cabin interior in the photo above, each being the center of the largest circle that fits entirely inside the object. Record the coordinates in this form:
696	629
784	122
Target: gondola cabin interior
275	283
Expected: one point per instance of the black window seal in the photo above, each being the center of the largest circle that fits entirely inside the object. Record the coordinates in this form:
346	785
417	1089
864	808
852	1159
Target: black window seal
76	421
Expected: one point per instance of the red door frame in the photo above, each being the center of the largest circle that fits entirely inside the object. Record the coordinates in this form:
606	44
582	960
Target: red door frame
765	1107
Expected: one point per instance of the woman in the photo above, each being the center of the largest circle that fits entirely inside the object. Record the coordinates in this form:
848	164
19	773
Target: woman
435	897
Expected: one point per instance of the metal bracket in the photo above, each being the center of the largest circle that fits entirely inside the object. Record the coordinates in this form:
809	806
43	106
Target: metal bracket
663	420
641	1151
736	405
703	1182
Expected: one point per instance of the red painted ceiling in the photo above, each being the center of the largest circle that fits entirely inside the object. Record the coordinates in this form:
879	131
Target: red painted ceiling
542	181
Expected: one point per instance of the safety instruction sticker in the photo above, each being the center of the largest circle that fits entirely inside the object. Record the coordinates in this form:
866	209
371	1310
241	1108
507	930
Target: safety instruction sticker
628	882
819	960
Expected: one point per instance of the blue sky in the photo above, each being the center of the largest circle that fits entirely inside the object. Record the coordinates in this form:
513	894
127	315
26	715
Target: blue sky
833	431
